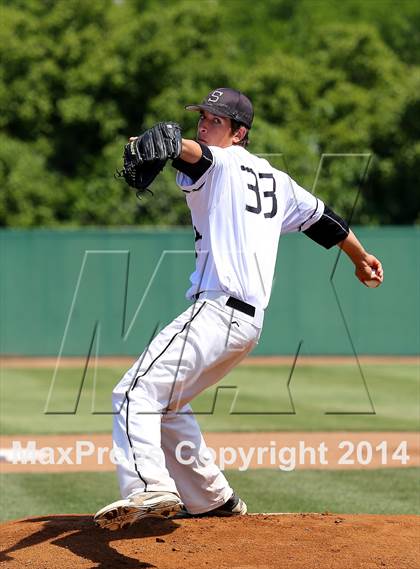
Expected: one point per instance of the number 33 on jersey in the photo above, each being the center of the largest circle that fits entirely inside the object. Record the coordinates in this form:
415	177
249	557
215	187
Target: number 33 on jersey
239	206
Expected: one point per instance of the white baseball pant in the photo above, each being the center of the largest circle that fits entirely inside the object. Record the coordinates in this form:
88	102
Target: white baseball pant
150	404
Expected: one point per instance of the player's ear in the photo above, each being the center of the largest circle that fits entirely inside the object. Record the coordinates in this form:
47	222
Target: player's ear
239	134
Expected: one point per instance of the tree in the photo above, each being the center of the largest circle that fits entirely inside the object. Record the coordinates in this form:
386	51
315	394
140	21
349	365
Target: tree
77	78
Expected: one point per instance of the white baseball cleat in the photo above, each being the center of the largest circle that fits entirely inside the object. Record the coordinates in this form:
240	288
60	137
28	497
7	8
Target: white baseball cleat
123	513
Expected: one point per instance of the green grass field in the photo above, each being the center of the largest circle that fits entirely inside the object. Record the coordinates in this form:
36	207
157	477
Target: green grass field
327	398
385	491
253	399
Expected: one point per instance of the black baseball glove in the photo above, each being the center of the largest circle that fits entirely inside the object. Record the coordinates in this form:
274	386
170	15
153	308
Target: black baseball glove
145	156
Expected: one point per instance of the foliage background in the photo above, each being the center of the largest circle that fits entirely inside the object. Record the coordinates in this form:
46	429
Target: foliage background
77	78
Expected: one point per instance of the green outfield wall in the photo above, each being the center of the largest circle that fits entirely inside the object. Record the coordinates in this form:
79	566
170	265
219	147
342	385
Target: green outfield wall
107	291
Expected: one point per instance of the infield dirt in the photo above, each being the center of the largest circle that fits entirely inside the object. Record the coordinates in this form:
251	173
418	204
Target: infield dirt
290	541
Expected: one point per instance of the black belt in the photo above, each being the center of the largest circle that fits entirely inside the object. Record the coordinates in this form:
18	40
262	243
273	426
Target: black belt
236	304
241	306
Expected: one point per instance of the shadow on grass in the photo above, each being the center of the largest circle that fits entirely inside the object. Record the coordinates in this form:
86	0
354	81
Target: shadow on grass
78	534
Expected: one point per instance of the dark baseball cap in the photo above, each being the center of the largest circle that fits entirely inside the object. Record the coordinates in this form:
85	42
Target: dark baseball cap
225	102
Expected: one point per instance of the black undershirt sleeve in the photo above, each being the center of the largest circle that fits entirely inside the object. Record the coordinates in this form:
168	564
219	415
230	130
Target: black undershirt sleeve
195	171
329	230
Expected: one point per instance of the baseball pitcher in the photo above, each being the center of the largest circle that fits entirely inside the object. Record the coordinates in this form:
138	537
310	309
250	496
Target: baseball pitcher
240	205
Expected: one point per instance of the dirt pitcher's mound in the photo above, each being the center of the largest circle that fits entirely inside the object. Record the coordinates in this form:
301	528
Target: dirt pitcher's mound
304	541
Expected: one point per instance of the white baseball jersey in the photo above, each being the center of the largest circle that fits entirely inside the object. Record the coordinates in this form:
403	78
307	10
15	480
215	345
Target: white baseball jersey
239	208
